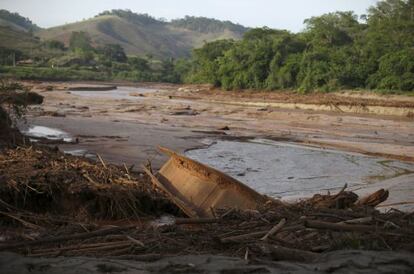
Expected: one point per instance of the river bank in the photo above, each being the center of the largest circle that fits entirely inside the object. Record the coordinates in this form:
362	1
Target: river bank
127	124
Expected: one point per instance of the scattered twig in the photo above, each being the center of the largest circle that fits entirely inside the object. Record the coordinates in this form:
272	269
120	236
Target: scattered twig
102	161
274	230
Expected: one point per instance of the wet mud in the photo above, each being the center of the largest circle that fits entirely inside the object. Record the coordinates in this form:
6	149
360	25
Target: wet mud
127	124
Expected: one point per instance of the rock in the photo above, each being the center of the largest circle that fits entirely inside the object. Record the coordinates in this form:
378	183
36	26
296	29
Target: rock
58	114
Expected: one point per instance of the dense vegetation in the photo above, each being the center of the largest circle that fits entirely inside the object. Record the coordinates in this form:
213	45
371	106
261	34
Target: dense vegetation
207	25
335	51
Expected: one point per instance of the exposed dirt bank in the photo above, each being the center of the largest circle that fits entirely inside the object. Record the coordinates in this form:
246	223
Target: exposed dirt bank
346	98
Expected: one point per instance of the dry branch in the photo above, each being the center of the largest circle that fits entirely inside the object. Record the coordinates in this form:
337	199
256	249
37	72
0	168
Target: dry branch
65	238
274	230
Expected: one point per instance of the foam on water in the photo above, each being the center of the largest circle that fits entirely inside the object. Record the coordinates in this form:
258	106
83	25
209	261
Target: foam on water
80	152
48	133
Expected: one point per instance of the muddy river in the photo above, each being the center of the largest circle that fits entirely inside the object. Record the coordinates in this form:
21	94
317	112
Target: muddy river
127	124
288	171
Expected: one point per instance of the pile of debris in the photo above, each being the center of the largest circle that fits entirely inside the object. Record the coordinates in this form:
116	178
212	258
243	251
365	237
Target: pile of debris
44	180
284	233
57	205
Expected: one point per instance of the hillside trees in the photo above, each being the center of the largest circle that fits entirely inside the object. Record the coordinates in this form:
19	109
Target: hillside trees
207	25
113	52
336	50
54	45
18	20
80	41
205	62
390	44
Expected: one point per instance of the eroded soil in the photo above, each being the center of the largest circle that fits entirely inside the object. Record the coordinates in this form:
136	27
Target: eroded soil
179	117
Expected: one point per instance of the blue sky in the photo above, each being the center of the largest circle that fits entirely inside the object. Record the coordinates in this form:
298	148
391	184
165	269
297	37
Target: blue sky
252	13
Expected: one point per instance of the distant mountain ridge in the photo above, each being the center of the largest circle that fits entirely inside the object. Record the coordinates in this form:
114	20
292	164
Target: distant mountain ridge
142	34
16	21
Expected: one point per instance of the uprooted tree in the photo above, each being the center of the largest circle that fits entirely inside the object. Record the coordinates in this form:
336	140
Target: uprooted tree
14	99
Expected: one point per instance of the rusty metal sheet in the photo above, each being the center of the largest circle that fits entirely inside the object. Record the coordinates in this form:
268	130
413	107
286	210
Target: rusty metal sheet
198	189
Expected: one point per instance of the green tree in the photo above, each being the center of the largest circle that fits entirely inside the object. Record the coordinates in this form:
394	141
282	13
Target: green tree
114	52
54	45
80	41
205	62
395	72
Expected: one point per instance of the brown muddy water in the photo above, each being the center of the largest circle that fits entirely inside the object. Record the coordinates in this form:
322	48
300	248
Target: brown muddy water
287	171
279	169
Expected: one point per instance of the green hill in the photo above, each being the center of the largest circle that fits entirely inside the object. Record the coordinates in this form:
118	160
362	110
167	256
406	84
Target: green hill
141	34
18	40
16	22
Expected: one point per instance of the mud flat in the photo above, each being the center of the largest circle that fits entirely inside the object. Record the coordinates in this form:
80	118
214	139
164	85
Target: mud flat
357	109
123	142
126	125
111	213
289	171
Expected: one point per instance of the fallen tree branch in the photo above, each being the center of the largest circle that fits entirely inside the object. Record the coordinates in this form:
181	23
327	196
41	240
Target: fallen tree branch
363	220
356	228
274	229
373	199
238	238
65	238
233	239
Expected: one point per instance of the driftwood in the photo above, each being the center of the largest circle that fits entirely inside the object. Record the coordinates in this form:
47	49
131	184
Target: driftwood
82	248
233	231
274	230
238	238
339	227
79	246
363	220
373	199
64	238
235	239
357	228
101	160
344	199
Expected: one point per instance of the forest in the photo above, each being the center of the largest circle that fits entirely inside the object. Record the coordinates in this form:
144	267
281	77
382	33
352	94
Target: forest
335	51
